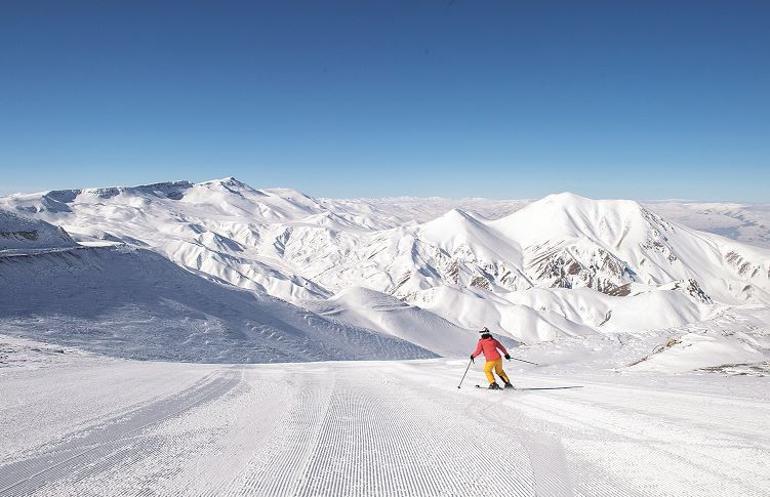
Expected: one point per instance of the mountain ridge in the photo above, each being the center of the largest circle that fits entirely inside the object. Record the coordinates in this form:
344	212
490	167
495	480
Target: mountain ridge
562	266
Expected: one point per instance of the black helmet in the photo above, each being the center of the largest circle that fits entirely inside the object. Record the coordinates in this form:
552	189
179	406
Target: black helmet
485	333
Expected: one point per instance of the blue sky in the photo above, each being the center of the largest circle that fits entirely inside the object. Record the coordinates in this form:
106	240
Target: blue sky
496	99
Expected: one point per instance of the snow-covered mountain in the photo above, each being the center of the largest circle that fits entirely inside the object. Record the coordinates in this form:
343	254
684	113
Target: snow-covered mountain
19	232
378	311
562	266
132	302
613	246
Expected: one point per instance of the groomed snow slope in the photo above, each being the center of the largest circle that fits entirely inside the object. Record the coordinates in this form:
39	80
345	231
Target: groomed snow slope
116	428
134	303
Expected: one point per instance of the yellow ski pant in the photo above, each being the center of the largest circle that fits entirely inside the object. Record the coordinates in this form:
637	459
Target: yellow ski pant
497	365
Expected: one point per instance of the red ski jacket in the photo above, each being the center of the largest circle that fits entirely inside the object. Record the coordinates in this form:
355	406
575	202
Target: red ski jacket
490	348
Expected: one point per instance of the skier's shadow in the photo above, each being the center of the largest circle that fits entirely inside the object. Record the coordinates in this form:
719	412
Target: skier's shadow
531	389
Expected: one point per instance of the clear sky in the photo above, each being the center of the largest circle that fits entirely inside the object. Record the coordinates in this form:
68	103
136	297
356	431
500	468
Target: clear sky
505	99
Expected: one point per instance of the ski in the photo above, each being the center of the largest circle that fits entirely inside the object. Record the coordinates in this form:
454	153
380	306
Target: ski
501	388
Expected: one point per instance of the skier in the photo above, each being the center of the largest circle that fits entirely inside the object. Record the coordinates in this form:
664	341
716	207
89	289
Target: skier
489	346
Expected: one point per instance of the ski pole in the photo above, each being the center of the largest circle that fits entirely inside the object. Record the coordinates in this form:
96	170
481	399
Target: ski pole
466	372
528	362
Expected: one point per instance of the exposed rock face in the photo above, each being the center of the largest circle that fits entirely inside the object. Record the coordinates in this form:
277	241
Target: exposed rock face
693	289
20	232
742	266
480	281
20	235
579	265
621	291
657	239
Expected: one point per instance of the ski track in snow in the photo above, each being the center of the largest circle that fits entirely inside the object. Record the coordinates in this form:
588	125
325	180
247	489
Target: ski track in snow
386	429
102	446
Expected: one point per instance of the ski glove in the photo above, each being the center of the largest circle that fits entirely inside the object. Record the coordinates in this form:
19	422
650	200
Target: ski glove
472	358
508	356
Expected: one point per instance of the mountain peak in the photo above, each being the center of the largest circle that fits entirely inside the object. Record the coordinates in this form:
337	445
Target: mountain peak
459	214
451	220
569	199
565	198
564	216
228	182
575	206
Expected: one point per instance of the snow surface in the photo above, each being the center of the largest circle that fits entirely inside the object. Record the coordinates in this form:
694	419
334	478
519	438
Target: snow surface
98	426
418	274
651	340
130	302
387	314
19	233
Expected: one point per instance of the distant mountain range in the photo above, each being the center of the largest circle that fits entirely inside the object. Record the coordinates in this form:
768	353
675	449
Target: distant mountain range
399	277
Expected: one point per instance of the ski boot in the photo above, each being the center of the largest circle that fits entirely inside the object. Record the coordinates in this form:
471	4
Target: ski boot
508	384
494	386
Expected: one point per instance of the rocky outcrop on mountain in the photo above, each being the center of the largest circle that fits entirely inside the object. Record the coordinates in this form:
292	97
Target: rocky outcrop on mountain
20	232
577	265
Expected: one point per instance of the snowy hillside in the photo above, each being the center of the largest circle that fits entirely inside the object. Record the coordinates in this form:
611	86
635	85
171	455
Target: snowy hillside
134	303
573	241
19	232
428	272
385	313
